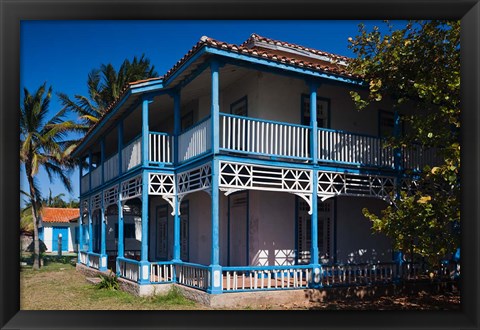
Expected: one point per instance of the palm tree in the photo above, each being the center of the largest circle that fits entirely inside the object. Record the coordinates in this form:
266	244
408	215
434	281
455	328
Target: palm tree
105	86
43	144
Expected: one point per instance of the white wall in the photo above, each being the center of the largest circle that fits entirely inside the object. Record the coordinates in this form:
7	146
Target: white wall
354	235
48	235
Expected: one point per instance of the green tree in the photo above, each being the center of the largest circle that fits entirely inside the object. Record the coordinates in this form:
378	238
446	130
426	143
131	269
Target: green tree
105	85
43	144
418	66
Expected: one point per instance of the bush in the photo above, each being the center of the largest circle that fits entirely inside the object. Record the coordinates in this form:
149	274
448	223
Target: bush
108	282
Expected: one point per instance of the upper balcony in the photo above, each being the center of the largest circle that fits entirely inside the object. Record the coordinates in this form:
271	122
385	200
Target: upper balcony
250	114
258	138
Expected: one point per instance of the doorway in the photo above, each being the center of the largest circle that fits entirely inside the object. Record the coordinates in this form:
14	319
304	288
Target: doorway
238	229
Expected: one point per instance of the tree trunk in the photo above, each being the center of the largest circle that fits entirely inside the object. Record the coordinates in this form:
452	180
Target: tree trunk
36	242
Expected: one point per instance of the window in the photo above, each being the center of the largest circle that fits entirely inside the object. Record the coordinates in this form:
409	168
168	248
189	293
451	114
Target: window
240	107
323	111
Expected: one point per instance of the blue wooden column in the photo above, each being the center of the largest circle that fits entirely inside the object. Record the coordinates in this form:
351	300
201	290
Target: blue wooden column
176	216
90	230
80	232
144	264
120	238
215	269
316	268
397	161
103	246
215	106
145	130
313	122
397	151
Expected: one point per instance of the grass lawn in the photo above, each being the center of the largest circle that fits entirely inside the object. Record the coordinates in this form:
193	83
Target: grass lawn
58	286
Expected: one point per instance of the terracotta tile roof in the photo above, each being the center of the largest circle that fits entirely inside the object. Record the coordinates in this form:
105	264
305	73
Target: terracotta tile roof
54	214
335	67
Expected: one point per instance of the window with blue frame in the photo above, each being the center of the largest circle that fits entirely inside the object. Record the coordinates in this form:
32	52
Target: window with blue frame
323	111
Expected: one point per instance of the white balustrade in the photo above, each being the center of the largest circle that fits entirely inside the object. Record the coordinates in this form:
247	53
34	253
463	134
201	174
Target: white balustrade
192	275
129	270
256	136
83	257
194	141
85	183
132	155
161	272
416	157
94	260
97	177
111	168
353	148
358	274
265	279
160	148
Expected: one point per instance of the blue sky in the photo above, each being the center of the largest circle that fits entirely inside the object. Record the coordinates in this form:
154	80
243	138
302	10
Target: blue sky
62	53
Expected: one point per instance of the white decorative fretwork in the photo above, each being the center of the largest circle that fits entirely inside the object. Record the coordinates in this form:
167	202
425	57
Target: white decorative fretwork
110	196
163	184
196	179
96	202
348	184
261	177
132	188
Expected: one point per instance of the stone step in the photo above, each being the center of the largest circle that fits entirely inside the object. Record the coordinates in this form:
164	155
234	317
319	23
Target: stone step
93	280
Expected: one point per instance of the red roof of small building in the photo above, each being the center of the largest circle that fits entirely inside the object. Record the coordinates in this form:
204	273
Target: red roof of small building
54	214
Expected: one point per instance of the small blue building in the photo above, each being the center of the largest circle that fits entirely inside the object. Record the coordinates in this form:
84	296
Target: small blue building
243	168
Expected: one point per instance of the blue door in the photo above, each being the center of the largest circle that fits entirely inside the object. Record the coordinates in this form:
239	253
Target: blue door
56	232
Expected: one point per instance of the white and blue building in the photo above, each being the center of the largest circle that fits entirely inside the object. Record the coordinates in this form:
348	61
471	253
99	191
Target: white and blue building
59	222
245	167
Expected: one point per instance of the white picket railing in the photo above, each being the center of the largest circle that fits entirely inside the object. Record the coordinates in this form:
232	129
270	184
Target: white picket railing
243	134
111	168
416	157
129	269
160	146
195	141
94	260
161	272
83	257
358	274
97	177
85	183
132	155
351	148
265	278
192	275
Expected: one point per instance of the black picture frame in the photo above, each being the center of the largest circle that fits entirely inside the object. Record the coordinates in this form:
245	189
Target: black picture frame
12	12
